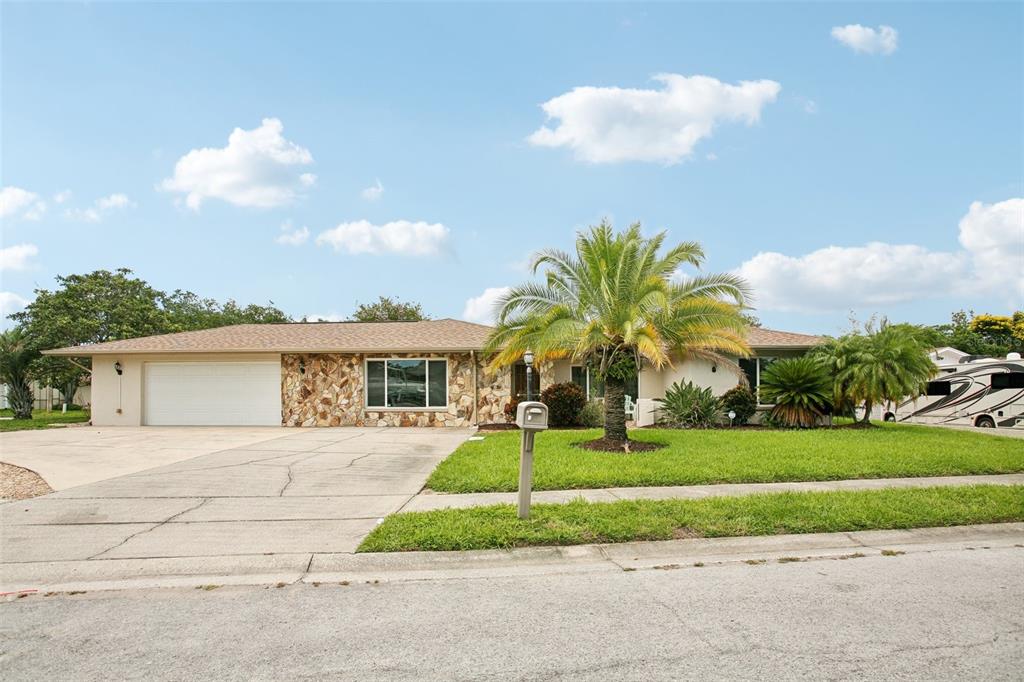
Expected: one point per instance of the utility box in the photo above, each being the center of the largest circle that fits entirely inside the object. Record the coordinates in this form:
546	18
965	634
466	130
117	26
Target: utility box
532	416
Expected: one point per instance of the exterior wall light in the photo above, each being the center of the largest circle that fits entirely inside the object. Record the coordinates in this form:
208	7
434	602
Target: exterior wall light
302	366
117	368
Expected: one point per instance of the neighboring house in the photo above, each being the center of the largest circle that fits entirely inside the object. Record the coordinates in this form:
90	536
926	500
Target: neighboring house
429	373
46	397
948	355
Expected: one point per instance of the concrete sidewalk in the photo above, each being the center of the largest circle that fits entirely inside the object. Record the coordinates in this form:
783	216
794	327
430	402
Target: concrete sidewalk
122	574
428	501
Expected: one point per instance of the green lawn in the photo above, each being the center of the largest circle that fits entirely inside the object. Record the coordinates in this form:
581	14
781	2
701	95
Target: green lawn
41	419
728	456
584	522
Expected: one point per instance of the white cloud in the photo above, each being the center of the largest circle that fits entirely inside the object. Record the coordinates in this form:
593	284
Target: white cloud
17	257
100	208
291	236
400	236
15	201
611	124
258	168
61	197
994	236
374	192
867	40
838	278
482	309
711	156
10	303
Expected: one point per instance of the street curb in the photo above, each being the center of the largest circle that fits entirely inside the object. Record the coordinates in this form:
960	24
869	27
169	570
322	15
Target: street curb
195	572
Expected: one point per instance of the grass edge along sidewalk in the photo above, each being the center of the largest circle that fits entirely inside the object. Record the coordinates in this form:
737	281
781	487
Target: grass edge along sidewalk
41	419
703	457
581	522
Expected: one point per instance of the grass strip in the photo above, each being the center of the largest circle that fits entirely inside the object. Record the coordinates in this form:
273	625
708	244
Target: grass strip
582	522
698	457
41	419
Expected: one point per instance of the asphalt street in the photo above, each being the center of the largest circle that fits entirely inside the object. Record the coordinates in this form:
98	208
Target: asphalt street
933	615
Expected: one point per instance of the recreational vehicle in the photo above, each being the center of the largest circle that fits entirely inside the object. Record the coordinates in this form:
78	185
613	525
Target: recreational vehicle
971	391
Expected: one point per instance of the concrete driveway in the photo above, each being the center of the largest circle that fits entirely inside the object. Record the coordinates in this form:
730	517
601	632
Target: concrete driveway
292	492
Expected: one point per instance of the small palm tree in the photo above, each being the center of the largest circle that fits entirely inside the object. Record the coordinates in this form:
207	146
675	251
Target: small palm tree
888	363
616	304
799	390
16	356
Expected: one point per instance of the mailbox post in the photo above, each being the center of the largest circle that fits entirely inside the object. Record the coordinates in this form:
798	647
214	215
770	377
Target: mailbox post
531	417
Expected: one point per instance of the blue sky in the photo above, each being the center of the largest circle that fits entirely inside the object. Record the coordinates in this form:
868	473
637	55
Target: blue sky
781	130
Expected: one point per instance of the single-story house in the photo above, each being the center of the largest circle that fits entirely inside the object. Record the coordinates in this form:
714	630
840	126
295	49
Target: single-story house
429	373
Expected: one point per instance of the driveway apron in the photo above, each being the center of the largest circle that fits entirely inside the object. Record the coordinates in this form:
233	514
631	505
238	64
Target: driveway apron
310	491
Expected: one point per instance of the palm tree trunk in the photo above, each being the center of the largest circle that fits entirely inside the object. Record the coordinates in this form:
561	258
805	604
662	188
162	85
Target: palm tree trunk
20	398
614	409
866	419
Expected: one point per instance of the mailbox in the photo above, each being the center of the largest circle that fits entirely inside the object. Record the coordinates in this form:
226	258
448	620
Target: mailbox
532	416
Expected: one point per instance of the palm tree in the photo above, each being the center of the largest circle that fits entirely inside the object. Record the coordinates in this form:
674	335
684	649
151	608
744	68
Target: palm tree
889	363
16	356
616	304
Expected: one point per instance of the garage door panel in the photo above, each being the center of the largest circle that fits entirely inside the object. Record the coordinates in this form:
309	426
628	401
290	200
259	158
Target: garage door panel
213	393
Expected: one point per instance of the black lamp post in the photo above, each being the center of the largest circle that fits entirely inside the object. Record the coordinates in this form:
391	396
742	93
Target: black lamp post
528	359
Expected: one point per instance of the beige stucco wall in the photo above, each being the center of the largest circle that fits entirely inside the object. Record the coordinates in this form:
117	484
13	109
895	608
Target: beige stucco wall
111	392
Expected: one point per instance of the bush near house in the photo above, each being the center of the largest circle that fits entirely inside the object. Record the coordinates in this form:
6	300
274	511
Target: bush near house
565	402
740	400
689	406
592	415
799	389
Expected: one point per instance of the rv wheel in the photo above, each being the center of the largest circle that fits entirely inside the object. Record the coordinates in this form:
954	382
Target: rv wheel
889	417
985	423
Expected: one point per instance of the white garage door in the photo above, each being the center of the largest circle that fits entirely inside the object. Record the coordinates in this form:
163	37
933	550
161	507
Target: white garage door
212	393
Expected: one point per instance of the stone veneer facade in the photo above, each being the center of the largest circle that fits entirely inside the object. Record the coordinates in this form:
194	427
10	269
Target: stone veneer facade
331	392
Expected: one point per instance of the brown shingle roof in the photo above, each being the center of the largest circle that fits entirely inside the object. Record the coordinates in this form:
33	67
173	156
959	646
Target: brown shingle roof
759	337
302	337
348	337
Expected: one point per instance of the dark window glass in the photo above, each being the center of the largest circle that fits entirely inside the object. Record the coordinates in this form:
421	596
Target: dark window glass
407	383
375	383
749	367
579	377
438	389
1008	380
938	388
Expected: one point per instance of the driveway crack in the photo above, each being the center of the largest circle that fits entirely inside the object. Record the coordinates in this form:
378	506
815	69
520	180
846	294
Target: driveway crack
152	528
291	476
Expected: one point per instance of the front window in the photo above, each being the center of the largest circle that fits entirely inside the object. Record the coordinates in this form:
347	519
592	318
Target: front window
753	369
402	383
593	385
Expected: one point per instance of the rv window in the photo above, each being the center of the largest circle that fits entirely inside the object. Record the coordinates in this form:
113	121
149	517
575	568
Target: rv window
938	388
1008	380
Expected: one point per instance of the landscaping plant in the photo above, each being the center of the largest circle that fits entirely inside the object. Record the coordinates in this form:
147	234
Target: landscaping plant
16	356
799	390
740	400
565	402
890	363
617	303
688	406
592	415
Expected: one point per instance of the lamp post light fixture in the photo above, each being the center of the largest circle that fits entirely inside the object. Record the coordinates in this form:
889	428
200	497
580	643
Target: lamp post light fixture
528	359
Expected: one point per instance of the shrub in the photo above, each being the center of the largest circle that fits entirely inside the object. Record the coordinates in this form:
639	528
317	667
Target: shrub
592	414
688	406
799	389
740	400
510	409
565	402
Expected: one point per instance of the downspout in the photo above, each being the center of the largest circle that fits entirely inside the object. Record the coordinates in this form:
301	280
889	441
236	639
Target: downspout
476	390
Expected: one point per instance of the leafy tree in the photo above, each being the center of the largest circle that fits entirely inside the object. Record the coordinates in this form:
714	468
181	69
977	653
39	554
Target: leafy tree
799	390
616	303
386	309
987	335
16	357
889	362
186	311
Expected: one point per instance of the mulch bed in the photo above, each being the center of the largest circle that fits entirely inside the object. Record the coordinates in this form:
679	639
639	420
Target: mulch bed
605	445
18	483
497	427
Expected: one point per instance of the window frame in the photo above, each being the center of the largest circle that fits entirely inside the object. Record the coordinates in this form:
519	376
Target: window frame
426	408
